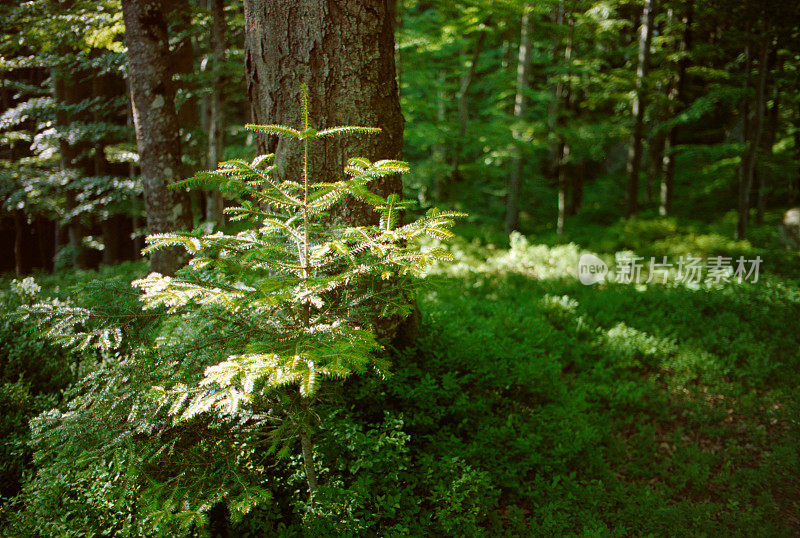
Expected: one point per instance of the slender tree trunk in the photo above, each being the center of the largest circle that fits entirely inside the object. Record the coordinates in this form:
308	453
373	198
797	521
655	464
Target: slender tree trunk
216	134
563	163
181	62
655	156
677	95
556	90
576	192
747	169
639	106
74	161
344	51
769	142
563	187
20	263
794	185
440	190
105	87
520	108
307	448
44	234
157	133
463	106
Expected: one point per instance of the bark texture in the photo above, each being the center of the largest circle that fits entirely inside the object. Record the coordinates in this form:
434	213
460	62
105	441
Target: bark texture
157	134
344	51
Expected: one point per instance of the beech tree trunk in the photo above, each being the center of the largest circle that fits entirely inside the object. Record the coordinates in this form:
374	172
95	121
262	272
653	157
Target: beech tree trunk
157	134
520	107
639	105
344	51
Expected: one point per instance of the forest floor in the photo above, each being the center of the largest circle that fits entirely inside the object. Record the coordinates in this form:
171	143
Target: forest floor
612	409
532	404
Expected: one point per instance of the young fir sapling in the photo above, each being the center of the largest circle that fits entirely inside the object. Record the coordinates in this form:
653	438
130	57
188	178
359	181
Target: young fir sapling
304	287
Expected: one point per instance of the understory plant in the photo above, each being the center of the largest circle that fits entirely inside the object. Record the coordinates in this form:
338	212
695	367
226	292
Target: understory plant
306	291
191	402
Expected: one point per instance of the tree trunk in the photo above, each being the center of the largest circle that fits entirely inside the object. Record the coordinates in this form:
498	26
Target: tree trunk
563	157
677	96
769	142
74	157
563	184
748	165
21	265
655	156
794	184
216	133
344	51
44	235
307	448
576	192
520	108
157	134
463	107
440	190
639	106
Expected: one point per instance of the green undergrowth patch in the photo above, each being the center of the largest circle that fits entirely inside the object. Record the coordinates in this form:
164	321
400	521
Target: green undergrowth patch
565	409
532	405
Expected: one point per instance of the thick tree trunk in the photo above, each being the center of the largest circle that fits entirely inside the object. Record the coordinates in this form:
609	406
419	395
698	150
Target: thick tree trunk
748	166
520	108
639	106
216	132
344	51
157	134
